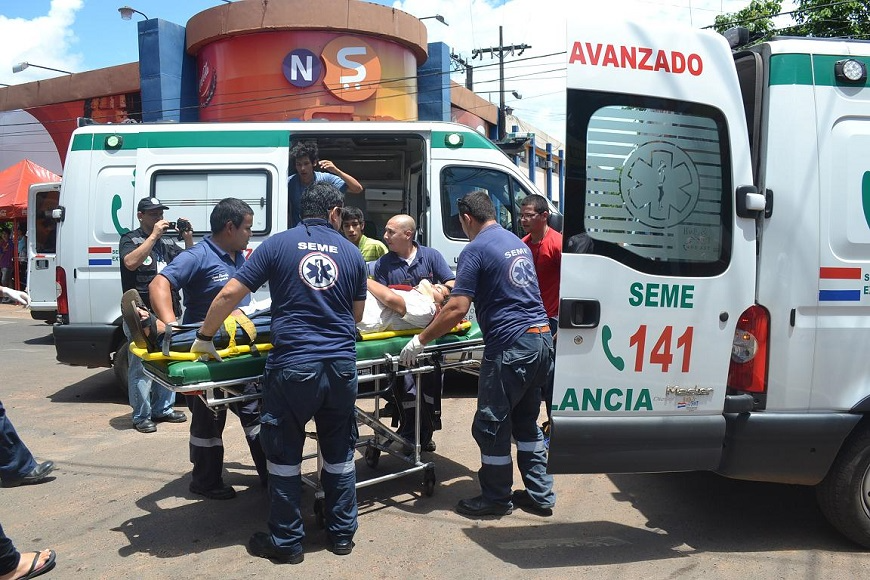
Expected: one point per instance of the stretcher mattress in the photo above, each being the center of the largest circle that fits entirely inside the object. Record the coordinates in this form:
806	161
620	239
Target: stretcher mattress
183	373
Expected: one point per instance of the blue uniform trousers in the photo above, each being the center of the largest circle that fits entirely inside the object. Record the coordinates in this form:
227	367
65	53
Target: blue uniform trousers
292	395
206	441
16	461
9	556
508	405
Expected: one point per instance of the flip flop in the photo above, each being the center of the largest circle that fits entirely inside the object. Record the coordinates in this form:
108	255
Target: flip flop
131	301
33	572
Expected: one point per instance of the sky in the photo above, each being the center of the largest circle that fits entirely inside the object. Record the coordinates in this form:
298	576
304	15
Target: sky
80	35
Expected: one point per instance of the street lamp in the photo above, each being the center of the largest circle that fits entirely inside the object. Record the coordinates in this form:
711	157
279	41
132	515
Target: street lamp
437	17
127	13
23	65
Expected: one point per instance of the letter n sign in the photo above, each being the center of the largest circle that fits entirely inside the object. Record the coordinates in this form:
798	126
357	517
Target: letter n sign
302	68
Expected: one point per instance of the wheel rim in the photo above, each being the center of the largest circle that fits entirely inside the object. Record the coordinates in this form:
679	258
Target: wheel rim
865	492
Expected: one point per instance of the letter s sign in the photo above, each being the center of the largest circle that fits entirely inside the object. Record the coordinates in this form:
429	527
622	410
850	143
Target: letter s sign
353	70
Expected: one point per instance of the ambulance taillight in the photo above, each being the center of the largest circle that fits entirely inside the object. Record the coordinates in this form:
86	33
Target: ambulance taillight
749	352
62	300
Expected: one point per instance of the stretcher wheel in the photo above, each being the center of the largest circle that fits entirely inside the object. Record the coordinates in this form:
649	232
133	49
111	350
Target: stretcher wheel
318	514
372	455
429	481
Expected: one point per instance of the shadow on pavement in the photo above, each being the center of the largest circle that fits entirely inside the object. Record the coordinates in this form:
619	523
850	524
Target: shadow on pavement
716	514
99	388
41	340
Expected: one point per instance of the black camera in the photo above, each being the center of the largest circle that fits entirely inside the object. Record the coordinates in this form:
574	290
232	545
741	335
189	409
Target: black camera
182	225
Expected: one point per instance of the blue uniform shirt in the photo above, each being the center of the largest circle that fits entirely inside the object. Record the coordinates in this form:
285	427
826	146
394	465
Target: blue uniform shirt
496	271
428	264
201	272
314	275
295	189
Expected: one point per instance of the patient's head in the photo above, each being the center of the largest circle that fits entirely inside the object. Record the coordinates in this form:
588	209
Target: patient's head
439	293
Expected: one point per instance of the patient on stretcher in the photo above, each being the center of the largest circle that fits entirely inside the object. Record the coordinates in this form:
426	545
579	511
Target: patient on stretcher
385	309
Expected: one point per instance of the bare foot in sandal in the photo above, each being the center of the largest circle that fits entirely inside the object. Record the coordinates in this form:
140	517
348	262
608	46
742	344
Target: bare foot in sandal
32	564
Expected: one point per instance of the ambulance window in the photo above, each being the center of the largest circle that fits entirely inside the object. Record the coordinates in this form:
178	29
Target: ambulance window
192	194
506	194
45	229
649	181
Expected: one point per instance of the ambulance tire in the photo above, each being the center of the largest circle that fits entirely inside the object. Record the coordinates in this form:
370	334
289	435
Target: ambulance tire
844	494
121	366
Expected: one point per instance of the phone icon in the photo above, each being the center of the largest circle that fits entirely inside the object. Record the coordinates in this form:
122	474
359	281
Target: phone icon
616	361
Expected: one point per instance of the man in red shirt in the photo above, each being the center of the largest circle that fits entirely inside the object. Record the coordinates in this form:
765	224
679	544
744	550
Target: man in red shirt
546	246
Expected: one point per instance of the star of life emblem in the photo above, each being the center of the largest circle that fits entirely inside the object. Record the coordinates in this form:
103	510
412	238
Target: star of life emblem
318	270
522	271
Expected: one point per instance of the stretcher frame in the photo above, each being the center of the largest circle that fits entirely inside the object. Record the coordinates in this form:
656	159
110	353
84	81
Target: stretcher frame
461	356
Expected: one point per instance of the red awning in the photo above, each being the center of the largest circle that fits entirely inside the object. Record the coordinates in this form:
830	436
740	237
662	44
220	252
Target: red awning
14	183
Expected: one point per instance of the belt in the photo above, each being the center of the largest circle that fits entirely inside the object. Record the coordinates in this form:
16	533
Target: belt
539	329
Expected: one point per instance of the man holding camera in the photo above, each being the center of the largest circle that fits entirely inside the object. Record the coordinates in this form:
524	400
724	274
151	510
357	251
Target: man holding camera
143	253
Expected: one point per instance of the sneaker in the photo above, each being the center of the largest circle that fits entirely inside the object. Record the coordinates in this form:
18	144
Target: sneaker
480	506
145	426
521	498
261	545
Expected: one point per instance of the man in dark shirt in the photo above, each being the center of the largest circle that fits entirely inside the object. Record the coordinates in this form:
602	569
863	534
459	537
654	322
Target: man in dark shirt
495	271
407	264
143	253
317	280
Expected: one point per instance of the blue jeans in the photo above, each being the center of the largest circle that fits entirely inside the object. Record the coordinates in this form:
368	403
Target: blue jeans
16	461
9	556
508	405
325	390
147	400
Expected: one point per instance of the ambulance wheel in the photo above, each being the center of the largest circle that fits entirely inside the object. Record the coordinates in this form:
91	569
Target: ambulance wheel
373	456
429	481
844	494
318	514
121	366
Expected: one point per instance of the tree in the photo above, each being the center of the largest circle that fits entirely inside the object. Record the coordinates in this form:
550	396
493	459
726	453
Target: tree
850	19
757	17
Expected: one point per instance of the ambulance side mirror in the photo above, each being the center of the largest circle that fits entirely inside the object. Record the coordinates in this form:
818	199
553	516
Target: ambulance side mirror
749	202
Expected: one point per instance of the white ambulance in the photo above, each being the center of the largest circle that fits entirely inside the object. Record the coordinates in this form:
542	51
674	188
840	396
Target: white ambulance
418	168
722	320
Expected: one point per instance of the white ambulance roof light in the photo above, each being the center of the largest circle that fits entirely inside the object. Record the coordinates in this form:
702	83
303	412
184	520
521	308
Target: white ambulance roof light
453	140
850	70
114	142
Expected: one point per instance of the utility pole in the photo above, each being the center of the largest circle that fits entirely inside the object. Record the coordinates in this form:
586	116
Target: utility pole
500	50
469	70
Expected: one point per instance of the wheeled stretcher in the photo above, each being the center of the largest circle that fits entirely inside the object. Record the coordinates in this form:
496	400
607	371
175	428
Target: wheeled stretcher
221	383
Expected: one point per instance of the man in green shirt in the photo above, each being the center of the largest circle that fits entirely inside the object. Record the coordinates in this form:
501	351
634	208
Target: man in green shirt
352	225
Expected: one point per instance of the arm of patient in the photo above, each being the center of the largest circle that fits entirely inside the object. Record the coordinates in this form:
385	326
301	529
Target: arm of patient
387	297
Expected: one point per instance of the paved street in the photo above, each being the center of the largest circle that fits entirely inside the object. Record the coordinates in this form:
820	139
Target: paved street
118	504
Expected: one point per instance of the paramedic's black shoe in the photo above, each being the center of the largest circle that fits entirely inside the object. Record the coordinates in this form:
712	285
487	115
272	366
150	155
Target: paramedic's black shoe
36	475
342	547
479	506
146	426
388	410
261	545
223	492
172	417
430	446
522	499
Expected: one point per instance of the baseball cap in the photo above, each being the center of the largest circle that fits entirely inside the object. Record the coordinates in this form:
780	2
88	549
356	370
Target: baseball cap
149	203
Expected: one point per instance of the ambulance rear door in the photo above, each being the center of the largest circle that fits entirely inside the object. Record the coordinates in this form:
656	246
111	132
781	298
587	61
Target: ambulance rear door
42	199
658	169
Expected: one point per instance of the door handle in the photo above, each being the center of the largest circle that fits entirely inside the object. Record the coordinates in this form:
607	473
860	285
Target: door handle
579	313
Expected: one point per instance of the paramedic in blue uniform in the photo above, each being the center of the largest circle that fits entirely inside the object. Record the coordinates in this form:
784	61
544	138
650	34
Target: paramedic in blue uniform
317	280
408	263
304	156
496	272
201	272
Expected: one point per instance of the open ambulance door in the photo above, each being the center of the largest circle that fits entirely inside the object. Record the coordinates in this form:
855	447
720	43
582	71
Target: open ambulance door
42	198
658	169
